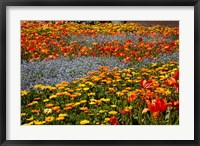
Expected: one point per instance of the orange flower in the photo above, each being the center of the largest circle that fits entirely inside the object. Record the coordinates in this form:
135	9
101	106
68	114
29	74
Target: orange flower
132	97
35	111
157	105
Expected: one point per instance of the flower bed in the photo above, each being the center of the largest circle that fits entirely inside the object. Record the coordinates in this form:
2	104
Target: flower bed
99	74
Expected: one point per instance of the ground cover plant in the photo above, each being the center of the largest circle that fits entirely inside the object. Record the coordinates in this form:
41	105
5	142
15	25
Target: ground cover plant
99	73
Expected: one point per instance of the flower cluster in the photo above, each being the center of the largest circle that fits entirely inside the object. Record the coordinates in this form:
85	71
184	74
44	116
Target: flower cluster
107	96
76	73
130	41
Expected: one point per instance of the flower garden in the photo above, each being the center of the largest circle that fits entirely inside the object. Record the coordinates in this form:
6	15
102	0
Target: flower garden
99	73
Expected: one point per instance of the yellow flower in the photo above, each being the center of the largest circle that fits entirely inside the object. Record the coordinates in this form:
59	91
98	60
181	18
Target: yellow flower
106	119
92	99
24	92
39	122
113	106
77	103
49	119
23	114
77	94
107	100
90	83
29	119
60	88
53	96
154	64
92	102
168	92
102	111
91	94
60	118
83	101
38	86
112	112
52	88
128	108
83	122
120	93
81	85
45	100
62	115
86	88
32	103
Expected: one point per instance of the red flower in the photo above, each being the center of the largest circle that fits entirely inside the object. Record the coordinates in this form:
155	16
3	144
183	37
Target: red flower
146	84
122	112
157	105
173	81
176	75
113	120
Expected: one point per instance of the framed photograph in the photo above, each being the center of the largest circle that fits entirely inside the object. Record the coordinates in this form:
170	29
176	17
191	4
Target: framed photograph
99	72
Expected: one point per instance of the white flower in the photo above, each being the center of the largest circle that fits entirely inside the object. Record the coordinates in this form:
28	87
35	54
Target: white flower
47	111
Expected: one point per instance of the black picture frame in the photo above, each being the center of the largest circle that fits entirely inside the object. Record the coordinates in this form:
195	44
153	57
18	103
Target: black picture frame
5	3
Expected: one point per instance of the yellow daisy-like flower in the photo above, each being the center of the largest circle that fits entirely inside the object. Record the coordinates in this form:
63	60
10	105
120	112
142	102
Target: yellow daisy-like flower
32	103
23	114
77	103
83	101
91	94
81	85
107	100
92	99
106	119
83	122
53	96
38	86
52	88
113	106
39	122
45	100
102	111
154	64
77	94
62	115
29	119
60	88
24	92
86	88
60	118
49	119
92	102
112	112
